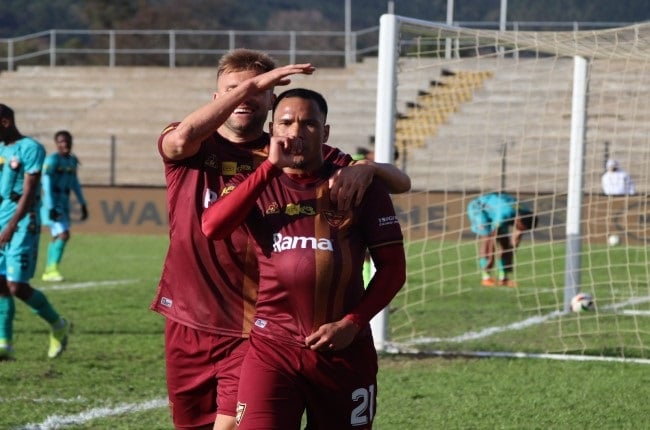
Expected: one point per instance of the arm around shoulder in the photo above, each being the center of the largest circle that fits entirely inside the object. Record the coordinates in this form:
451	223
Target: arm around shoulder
396	181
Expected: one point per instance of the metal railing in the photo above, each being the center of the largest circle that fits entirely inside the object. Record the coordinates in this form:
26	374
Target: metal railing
177	48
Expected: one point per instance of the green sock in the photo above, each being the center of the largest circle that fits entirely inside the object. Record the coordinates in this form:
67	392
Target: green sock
485	275
482	263
42	307
55	252
7	313
501	269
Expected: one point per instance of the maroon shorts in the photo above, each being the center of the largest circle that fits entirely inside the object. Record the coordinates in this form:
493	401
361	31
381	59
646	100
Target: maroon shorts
202	374
279	381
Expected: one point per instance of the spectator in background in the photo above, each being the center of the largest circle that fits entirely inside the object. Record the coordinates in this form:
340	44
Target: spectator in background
492	216
615	181
59	179
21	163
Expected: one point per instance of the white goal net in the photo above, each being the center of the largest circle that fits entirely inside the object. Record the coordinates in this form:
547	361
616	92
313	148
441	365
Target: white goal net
536	115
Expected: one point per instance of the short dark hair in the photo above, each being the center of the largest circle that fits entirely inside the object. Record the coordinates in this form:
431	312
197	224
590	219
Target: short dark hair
6	112
306	94
528	219
66	135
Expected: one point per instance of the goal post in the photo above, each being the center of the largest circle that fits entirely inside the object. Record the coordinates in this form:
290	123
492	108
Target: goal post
535	115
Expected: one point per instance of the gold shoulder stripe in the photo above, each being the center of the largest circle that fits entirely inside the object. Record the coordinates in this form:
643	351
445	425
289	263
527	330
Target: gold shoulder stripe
168	129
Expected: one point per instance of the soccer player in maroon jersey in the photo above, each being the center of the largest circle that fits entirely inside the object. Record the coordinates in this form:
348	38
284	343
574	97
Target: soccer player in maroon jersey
208	289
311	346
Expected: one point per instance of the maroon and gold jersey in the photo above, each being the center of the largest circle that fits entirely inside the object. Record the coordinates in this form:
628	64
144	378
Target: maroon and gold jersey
210	285
311	255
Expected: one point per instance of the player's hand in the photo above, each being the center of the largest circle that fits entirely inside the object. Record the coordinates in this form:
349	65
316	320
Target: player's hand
348	185
280	75
286	151
6	234
84	213
55	215
333	336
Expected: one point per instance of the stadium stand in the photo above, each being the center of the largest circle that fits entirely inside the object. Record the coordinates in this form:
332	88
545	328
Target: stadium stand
474	103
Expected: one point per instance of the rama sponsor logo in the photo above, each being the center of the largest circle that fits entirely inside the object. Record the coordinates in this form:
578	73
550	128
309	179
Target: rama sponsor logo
285	243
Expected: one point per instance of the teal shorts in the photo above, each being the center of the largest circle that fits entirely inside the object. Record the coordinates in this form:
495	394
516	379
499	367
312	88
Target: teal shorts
18	257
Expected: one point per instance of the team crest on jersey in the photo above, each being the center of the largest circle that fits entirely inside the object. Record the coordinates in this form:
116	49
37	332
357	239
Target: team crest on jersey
211	161
334	218
241	408
273	208
14	163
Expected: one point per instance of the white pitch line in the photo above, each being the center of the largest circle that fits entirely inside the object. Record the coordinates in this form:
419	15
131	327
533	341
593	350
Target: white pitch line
92	284
489	331
59	421
77	399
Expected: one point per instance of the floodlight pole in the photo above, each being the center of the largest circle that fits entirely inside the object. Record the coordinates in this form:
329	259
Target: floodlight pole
349	58
450	21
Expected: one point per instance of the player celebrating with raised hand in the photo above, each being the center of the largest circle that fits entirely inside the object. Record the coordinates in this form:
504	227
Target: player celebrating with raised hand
311	346
208	289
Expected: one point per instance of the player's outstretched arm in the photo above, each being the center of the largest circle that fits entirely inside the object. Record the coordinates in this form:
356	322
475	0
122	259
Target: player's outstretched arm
185	140
348	184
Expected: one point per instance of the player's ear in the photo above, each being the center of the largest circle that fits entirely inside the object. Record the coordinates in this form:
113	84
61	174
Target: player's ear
326	132
215	96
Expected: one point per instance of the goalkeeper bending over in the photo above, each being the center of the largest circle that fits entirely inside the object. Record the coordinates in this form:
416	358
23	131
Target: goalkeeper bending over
492	216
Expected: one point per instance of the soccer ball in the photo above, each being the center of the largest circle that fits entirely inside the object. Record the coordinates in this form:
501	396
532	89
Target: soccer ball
613	240
582	302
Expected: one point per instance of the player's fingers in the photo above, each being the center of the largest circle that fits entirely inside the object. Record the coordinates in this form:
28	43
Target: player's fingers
343	200
359	195
335	187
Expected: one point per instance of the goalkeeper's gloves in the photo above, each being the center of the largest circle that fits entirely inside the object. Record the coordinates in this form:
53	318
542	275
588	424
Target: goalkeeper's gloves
84	212
54	214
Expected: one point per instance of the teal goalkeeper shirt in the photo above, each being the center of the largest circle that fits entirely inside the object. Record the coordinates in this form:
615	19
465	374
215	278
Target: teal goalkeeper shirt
24	157
500	210
59	179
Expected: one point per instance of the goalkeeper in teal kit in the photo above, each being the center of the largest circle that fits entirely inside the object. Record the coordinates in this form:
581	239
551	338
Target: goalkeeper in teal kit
59	179
491	217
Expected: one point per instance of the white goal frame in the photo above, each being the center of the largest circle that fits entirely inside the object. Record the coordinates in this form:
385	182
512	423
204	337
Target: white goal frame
385	131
